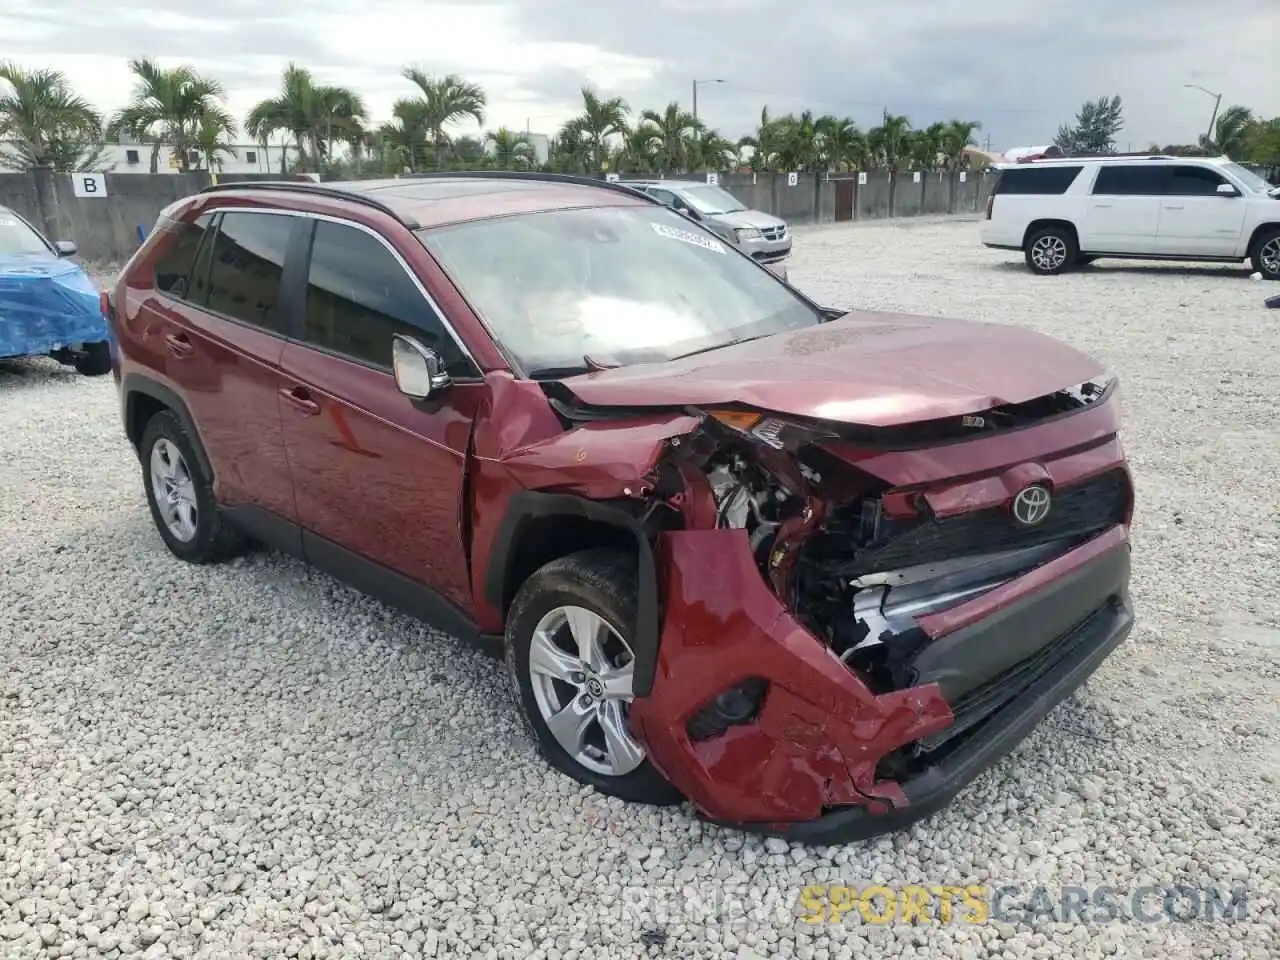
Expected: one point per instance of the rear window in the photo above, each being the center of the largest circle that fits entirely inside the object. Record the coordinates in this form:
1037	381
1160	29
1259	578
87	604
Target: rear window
1043	180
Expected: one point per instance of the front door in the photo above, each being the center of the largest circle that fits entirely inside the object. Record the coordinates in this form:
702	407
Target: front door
1122	213
375	474
1196	220
217	331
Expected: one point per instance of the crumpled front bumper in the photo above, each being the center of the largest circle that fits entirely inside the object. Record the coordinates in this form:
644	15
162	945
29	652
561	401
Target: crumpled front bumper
41	314
806	767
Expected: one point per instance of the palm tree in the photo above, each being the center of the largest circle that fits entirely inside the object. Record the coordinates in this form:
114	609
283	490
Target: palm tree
570	152
768	141
47	123
445	100
956	138
511	150
212	138
1230	132
674	130
640	152
600	119
841	144
710	151
168	108
311	114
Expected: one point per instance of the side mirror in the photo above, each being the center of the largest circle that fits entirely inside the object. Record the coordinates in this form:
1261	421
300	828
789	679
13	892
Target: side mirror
1227	190
65	248
420	373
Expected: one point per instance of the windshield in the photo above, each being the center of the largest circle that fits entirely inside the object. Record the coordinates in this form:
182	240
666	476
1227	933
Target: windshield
17	237
618	285
1248	177
711	200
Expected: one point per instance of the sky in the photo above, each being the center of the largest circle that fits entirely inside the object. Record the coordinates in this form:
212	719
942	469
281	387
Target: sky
1019	68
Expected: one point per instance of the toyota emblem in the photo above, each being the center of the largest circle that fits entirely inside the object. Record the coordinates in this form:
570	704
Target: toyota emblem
1031	505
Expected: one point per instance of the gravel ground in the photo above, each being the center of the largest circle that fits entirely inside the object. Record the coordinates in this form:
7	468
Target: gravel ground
255	761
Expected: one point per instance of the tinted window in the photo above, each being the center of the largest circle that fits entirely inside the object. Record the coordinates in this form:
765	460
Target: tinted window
246	267
1043	180
359	296
174	267
1130	180
1193	182
666	196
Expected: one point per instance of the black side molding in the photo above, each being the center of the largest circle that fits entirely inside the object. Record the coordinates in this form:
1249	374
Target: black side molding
526	506
135	385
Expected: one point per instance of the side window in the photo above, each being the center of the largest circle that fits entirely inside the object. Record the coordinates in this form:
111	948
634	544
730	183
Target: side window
246	268
1046	180
176	266
1130	180
666	196
359	296
1193	182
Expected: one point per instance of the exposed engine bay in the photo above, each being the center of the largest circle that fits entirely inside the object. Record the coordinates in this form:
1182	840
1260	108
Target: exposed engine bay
857	575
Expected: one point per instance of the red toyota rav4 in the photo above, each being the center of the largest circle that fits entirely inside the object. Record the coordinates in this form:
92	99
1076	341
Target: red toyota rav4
811	570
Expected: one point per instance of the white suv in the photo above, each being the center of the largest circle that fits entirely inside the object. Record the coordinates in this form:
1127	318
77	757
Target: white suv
1066	212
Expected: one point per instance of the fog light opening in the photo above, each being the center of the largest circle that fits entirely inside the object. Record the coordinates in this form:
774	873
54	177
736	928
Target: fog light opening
735	706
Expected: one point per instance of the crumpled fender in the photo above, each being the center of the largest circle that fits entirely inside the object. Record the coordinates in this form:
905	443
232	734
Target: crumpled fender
820	732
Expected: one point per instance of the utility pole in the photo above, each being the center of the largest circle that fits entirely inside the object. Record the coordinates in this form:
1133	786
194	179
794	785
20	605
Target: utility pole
695	95
1217	102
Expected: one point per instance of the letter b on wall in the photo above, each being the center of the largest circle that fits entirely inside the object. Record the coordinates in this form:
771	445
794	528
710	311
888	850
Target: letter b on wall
89	184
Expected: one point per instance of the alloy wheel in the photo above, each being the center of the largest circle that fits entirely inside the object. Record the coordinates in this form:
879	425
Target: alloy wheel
174	490
581	671
1049	252
1269	255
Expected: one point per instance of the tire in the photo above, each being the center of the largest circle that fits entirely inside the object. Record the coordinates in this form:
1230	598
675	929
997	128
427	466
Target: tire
1051	250
1265	255
598	583
96	359
201	535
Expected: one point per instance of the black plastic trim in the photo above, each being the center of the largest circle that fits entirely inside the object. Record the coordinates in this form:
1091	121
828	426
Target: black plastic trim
133	385
266	527
972	656
526	506
936	786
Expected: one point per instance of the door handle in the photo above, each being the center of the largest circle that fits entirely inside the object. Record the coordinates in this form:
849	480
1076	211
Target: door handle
300	399
1173	206
1102	206
178	345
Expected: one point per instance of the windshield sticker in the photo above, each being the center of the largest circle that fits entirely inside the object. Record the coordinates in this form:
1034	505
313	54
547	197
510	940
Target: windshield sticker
687	236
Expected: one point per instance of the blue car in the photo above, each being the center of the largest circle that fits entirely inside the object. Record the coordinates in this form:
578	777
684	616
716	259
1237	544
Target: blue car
48	305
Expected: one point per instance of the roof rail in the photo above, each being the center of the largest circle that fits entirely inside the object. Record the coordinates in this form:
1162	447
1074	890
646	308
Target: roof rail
315	189
534	175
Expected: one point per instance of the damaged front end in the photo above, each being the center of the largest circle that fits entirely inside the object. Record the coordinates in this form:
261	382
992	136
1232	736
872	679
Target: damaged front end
841	651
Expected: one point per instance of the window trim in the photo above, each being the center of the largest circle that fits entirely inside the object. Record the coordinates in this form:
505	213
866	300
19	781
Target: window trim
294	331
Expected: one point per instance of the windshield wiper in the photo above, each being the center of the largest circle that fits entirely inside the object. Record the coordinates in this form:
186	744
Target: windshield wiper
717	346
589	365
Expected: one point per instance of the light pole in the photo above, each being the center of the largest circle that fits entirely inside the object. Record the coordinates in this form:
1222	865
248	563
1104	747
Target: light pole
1217	102
695	95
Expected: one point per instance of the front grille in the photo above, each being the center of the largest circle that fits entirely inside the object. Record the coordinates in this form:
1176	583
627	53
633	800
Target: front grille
774	233
981	702
1078	512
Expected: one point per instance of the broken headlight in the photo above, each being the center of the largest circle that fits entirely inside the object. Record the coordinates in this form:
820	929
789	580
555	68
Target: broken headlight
772	431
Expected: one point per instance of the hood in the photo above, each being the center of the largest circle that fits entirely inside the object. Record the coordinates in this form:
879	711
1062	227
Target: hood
869	369
747	218
35	265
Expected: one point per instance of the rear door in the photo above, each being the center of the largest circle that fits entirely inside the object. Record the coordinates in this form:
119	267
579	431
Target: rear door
1196	220
216	329
1123	210
377	476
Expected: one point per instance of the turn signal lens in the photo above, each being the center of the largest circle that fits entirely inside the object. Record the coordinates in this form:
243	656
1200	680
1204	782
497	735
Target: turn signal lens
742	420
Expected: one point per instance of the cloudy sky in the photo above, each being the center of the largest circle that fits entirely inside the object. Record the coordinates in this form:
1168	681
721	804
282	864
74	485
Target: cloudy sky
1019	67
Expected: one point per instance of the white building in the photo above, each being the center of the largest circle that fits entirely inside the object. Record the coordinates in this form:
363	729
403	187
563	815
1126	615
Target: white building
128	157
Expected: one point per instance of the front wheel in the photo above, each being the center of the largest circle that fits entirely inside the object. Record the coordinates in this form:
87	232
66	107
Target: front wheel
95	360
1266	255
568	649
1051	250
